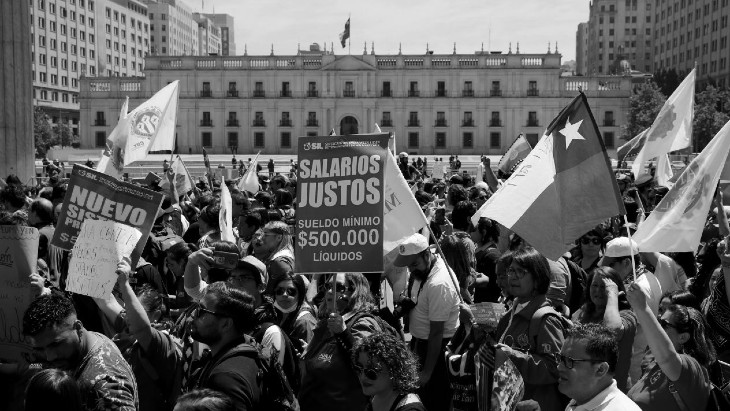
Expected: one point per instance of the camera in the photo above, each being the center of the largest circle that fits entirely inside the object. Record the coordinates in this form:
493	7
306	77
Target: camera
403	307
225	260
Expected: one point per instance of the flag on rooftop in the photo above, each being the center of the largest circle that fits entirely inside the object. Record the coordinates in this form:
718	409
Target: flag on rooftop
672	128
562	189
517	152
677	222
345	34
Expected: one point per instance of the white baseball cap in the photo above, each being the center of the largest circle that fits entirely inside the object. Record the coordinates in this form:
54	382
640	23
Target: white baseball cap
621	247
409	249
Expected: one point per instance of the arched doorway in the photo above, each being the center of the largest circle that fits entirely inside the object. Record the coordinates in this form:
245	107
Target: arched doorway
348	125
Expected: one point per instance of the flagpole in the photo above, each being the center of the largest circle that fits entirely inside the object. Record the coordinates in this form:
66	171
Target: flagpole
349	38
631	246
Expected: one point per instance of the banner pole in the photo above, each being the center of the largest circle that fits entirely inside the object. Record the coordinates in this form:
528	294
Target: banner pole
631	246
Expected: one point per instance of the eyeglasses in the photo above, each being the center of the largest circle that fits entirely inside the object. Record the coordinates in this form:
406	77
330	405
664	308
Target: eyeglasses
292	292
483	198
340	288
569	362
516	272
588	240
371	373
200	309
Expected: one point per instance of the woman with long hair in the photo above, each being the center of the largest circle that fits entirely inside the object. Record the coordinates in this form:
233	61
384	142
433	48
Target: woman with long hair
388	373
345	317
458	249
589	249
275	248
294	314
487	254
534	355
53	389
678	379
605	303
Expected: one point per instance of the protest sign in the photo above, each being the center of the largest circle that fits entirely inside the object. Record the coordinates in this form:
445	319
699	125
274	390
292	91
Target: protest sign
339	225
488	314
93	195
98	249
18	258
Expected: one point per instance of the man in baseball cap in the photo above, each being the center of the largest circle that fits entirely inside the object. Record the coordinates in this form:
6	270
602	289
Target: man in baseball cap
433	320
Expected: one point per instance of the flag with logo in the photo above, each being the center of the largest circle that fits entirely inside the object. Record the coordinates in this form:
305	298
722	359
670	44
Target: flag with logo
672	128
183	180
562	189
632	147
250	180
115	146
517	152
152	125
677	222
345	34
225	217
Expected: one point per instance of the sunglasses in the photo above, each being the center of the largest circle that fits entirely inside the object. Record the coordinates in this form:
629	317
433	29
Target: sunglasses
292	292
340	288
569	362
371	373
199	310
588	240
666	324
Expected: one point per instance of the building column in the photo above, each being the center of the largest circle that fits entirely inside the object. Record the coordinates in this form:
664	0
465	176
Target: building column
17	149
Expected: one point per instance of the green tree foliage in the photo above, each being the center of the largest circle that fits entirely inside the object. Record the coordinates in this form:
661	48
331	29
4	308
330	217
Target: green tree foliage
63	133
644	106
668	80
712	111
43	133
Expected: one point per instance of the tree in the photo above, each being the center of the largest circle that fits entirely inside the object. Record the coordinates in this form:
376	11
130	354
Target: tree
63	134
668	80
712	111
43	133
644	106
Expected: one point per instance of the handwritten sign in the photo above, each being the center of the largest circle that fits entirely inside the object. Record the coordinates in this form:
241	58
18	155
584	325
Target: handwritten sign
488	314
98	249
18	258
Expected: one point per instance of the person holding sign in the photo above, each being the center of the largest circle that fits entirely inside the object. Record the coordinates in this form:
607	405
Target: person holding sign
107	381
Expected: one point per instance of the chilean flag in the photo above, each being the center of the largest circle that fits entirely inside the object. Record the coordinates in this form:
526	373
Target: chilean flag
562	189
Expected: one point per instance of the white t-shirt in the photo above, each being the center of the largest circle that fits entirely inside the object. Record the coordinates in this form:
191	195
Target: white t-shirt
670	275
438	301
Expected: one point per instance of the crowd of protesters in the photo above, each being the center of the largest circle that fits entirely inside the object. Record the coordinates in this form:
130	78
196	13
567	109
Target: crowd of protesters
604	327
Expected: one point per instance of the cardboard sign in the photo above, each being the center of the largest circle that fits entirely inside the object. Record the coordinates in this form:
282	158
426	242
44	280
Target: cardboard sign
339	219
488	314
98	249
93	195
18	258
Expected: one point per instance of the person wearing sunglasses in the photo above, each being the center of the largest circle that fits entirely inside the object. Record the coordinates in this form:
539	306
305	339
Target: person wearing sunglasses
589	250
275	248
294	314
388	373
345	317
606	304
678	379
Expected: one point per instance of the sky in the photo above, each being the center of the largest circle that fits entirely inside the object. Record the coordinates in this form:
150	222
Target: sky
410	23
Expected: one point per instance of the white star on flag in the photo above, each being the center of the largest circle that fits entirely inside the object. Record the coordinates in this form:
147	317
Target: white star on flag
570	131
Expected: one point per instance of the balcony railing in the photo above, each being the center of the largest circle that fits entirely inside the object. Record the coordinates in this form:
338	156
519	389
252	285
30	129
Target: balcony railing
206	123
232	93
468	123
285	123
259	123
259	93
232	123
533	123
467	93
533	93
441	123
100	122
206	93
312	122
495	122
413	93
348	93
609	122
386	123
414	123
312	93
386	93
285	93
440	93
495	93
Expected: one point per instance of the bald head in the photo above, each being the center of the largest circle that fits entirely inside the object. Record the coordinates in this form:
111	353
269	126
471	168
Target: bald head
41	212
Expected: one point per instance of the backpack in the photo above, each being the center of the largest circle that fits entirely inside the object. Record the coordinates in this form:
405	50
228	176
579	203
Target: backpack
276	393
384	326
537	318
719	399
578	280
291	362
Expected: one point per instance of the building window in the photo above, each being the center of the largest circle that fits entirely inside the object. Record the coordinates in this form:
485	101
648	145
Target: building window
412	140
468	90
440	119
311	134
608	119
532	119
258	140
312	89
100	120
312	119
468	139
495	121
285	90
285	119
206	121
468	120
232	92
205	91
413	89
608	139
496	89
386	92
386	121
232	119
233	139
440	140
532	89
349	89
285	139
258	120
495	140
413	119
258	90
441	89
100	139
207	138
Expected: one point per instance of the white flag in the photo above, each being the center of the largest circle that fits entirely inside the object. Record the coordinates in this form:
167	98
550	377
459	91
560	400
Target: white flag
225	217
676	224
663	172
250	180
183	181
111	162
672	128
402	215
152	125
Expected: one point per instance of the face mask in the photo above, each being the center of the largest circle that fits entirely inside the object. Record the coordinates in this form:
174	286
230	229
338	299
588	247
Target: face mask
285	310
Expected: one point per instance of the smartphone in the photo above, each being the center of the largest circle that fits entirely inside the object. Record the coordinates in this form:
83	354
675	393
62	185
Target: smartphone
222	259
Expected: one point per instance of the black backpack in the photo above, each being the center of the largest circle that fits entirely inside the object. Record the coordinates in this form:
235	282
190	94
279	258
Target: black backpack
382	324
578	280
291	362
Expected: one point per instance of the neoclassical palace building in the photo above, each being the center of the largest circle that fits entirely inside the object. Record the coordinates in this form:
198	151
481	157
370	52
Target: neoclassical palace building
434	103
